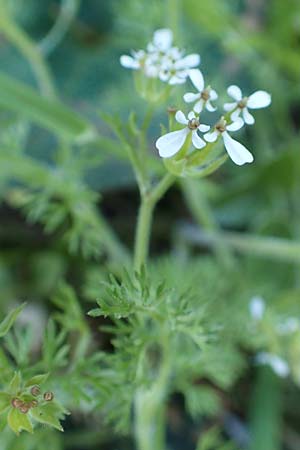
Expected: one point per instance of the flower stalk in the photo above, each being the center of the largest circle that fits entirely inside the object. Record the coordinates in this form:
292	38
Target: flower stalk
148	203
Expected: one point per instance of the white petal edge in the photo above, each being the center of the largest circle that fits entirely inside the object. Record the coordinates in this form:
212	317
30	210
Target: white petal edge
230	106
170	144
235	92
257	307
213	95
190	97
180	118
236	125
210	107
197	79
191	115
235	116
176	80
236	151
197	141
199	106
279	365
248	118
204	128
212	136
188	62
259	99
163	38
128	62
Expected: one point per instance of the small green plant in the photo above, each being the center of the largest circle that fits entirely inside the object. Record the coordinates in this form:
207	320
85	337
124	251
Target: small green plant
184	324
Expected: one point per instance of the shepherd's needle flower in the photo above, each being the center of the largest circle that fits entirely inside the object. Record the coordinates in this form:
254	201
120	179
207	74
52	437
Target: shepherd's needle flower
277	364
161	60
176	70
204	96
236	151
140	61
257	100
170	144
257	307
162	41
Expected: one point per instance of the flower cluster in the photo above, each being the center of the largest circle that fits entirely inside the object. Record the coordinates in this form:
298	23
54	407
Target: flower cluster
161	60
277	325
237	115
169	64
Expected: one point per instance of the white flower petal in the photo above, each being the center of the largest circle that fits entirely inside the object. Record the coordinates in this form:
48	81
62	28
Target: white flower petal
236	125
235	92
236	151
188	62
257	307
180	117
175	79
235	116
197	141
288	326
213	95
212	136
203	128
170	144
248	118
197	79
190	97
163	38
210	107
199	106
191	115
260	99
128	62
279	365
230	106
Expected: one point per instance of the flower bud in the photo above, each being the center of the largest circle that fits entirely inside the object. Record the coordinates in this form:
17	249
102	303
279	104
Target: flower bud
35	391
24	407
33	403
48	396
16	403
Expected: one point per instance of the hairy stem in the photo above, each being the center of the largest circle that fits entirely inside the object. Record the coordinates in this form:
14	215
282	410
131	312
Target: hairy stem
150	408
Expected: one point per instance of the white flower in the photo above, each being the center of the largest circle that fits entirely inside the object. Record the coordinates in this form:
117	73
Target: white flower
236	151
141	61
289	325
176	70
135	62
204	96
170	144
257	307
162	41
161	60
259	99
278	365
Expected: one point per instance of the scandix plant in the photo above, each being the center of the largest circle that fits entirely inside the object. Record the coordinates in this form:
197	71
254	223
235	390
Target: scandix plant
169	325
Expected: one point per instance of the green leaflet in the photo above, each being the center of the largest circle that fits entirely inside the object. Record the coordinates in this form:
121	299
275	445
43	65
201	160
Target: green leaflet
9	320
50	114
18	421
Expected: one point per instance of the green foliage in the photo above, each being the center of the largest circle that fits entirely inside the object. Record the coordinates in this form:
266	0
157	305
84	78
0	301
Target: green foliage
182	324
9	320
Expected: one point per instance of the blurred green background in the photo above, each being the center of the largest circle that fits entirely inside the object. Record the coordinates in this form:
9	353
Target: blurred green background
252	43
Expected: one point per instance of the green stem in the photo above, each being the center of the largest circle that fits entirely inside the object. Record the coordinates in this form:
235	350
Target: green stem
68	11
30	51
148	202
150	408
267	247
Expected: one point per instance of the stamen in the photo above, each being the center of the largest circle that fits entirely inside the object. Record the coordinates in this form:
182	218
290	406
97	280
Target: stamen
193	124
